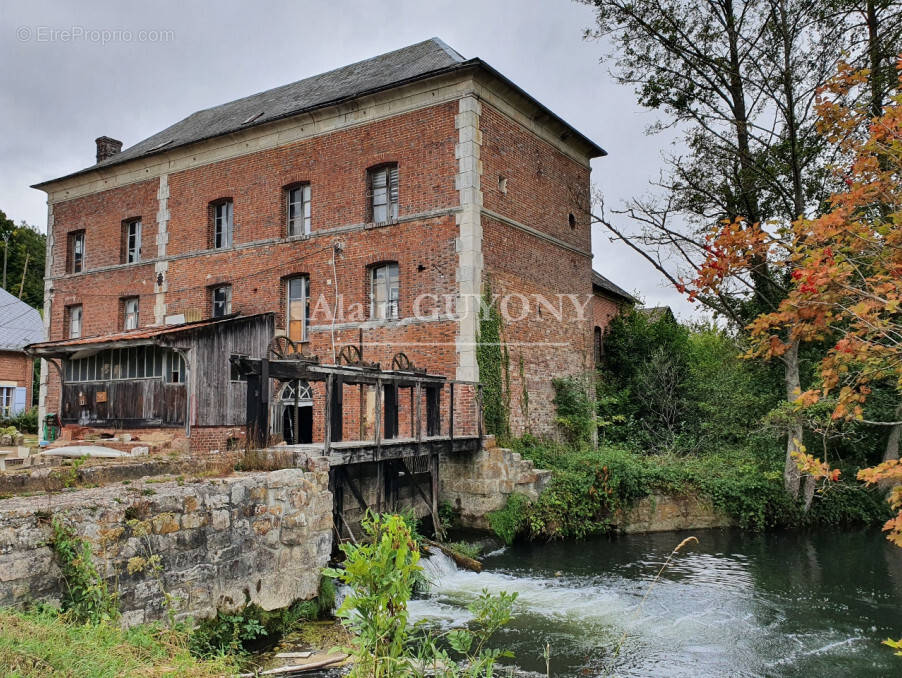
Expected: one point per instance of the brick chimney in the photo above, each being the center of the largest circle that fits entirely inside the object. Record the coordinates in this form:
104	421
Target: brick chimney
107	147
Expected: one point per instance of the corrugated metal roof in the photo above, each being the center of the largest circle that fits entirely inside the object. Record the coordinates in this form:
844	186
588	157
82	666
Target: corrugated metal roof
598	280
424	59
20	324
139	336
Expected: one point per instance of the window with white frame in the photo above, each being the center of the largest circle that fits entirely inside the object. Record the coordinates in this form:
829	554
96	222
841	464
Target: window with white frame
222	224
222	300
7	394
76	254
74	313
385	292
130	313
298	307
131	241
383	189
298	209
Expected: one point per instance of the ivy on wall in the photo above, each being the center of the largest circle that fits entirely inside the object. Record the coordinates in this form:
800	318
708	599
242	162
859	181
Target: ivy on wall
491	356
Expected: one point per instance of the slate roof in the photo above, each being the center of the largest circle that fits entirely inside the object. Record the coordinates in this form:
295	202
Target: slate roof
606	286
416	62
20	324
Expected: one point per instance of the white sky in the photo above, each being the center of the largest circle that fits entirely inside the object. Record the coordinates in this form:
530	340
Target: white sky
60	93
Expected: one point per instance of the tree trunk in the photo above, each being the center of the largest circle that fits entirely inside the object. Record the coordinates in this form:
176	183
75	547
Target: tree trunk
791	475
893	439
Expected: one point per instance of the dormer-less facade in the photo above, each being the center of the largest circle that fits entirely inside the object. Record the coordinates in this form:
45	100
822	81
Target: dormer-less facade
368	203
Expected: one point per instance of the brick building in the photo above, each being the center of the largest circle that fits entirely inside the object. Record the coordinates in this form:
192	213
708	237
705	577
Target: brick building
368	205
20	325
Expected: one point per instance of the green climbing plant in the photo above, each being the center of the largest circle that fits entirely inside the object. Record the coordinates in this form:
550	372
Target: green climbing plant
492	357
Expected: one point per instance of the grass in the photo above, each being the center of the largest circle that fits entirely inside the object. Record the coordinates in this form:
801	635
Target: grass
42	643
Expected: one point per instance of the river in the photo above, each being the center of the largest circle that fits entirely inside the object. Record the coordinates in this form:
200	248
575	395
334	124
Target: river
735	604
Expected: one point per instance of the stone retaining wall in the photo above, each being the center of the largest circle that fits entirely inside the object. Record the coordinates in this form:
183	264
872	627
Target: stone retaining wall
247	538
480	483
664	513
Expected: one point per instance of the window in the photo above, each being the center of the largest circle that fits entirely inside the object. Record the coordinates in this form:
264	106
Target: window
598	346
234	374
572	221
74	321
130	313
222	224
6	400
75	261
131	241
385	292
222	301
383	185
298	307
298	209
123	364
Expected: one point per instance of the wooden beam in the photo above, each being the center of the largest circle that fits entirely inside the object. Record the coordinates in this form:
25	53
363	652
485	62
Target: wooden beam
354	490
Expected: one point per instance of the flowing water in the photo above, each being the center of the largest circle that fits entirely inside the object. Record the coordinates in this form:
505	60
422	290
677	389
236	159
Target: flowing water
736	604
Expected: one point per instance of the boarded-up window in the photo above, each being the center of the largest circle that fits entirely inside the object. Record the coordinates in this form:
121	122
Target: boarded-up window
75	258
73	314
298	209
130	313
222	301
222	224
131	241
298	307
383	193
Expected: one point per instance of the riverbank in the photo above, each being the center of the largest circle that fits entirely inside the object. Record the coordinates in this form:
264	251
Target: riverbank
592	492
42	643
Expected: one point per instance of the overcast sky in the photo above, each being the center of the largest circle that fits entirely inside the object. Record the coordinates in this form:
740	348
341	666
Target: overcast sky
62	91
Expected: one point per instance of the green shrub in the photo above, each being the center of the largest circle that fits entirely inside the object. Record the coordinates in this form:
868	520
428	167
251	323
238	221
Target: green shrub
575	407
26	421
86	597
510	520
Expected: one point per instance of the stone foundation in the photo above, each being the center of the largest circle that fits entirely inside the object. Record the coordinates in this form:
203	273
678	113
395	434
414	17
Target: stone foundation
247	538
481	483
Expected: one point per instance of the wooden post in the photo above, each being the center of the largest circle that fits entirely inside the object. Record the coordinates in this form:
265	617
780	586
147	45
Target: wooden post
378	416
433	474
418	430
264	403
380	485
451	413
362	412
297	407
327	419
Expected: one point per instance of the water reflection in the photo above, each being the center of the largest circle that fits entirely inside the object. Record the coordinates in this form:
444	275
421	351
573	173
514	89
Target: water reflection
737	604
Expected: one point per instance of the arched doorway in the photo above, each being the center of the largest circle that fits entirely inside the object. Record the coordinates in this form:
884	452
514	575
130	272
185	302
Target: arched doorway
283	418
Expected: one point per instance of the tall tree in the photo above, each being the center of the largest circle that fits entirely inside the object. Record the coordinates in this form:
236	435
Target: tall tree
24	260
740	79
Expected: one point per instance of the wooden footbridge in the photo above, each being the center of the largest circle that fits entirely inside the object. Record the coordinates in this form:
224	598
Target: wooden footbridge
383	431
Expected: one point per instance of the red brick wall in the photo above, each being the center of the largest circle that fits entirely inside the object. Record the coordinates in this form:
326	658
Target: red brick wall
19	368
543	186
422	143
603	310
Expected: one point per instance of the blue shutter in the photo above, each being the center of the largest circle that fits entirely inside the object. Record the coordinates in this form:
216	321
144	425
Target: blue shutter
19	400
